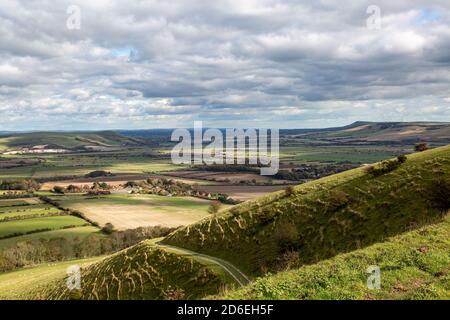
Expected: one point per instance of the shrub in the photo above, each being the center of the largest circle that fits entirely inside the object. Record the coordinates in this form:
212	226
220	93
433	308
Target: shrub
439	194
58	189
383	167
420	147
108	228
98	173
288	260
402	158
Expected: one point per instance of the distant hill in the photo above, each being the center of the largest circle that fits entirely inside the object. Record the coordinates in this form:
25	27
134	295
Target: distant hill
378	132
66	140
360	132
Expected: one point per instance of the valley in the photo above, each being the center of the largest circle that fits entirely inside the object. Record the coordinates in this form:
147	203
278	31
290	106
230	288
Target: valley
144	228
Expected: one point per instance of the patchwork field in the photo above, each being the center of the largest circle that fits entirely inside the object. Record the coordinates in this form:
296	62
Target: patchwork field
30	219
126	211
69	233
353	154
25	226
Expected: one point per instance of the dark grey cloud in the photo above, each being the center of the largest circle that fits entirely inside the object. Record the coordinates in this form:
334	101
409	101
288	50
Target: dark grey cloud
158	63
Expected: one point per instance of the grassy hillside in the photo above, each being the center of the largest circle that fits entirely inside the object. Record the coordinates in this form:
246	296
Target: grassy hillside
31	283
414	265
66	140
323	218
385	132
144	271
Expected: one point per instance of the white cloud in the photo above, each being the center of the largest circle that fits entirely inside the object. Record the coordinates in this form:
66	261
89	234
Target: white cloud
159	63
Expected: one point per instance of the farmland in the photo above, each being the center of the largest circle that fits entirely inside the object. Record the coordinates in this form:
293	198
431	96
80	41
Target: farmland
127	211
27	216
98	200
407	239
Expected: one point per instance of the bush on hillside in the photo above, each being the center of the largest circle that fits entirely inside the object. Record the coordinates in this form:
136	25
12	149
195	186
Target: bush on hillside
420	147
383	167
402	158
440	194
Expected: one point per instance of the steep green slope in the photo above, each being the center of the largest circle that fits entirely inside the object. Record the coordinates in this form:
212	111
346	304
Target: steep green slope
320	219
414	265
145	271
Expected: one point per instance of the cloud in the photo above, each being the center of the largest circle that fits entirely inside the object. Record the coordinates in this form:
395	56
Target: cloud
146	64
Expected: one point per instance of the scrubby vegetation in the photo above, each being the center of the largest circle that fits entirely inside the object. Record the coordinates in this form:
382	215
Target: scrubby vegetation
27	185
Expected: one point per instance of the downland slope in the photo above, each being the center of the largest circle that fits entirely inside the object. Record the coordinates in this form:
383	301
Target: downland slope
380	132
144	271
322	218
66	140
414	265
310	230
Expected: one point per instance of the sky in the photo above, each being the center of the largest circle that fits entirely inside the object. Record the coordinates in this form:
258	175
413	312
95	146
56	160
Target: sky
94	65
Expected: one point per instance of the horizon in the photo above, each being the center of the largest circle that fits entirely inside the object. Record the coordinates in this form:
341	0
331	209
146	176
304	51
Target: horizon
3	132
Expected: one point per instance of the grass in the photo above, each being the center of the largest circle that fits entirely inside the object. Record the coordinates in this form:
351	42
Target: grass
37	224
70	233
337	154
28	283
414	265
5	204
144	271
322	218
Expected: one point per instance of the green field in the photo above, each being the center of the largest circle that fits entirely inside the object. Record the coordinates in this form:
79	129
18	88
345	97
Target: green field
35	224
24	211
80	164
14	202
337	154
70	233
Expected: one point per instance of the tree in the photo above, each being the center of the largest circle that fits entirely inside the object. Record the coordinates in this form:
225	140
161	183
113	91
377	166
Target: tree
214	207
58	189
108	228
420	147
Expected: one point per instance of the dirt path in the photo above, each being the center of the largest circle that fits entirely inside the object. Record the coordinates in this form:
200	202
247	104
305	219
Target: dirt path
234	272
